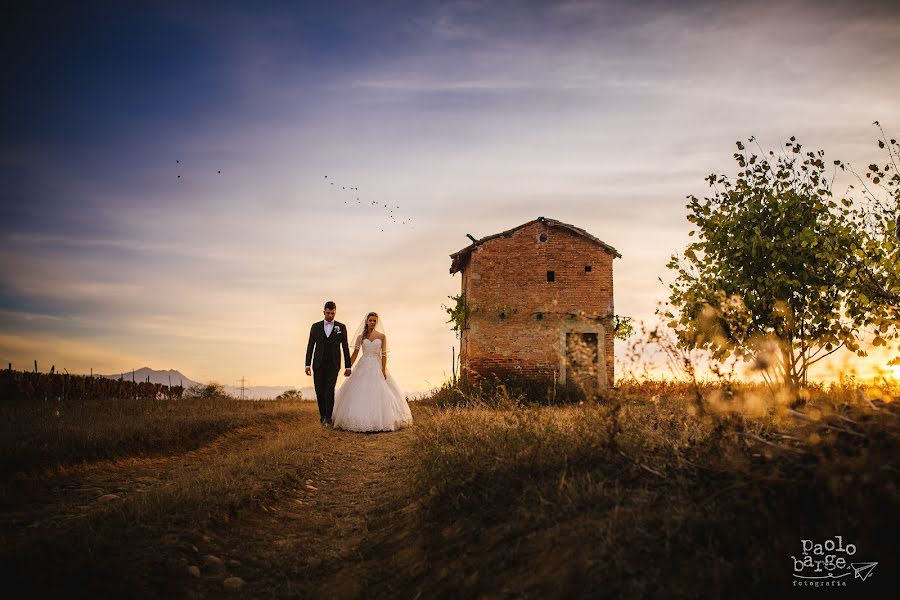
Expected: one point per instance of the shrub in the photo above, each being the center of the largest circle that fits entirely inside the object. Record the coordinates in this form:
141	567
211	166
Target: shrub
206	391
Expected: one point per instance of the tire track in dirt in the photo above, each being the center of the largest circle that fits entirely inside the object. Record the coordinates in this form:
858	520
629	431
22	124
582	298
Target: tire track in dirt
72	491
316	541
308	538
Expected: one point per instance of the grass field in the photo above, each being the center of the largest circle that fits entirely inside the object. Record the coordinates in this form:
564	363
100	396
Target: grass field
648	491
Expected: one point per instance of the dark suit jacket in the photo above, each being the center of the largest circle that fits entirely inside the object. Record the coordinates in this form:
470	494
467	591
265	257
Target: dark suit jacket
319	343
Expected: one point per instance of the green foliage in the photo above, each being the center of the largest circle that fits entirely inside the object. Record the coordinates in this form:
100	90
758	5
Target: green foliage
459	312
779	271
876	261
623	328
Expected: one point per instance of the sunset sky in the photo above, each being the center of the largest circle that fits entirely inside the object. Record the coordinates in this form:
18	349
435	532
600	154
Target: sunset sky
469	117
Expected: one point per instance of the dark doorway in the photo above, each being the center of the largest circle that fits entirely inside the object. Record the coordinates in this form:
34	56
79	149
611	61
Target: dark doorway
582	360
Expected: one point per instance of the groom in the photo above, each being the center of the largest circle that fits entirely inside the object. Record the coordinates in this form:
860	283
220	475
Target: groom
327	337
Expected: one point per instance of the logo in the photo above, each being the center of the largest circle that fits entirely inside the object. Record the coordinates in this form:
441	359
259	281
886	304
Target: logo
829	564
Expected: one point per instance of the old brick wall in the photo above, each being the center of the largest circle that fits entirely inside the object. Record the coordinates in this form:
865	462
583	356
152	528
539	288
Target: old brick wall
509	275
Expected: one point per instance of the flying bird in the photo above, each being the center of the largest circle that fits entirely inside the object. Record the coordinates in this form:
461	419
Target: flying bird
395	219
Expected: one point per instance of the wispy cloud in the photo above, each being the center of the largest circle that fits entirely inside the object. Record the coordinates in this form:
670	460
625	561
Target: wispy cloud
472	116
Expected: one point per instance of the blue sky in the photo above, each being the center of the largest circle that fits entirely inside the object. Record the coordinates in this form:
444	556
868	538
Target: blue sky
467	117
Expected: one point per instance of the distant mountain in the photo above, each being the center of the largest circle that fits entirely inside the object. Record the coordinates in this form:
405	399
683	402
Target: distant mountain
164	377
178	378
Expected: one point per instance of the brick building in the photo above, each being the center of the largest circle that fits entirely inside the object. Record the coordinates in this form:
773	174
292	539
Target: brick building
531	294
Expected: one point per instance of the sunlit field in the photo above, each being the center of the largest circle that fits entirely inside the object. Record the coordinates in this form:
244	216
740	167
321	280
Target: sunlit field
657	487
52	432
653	490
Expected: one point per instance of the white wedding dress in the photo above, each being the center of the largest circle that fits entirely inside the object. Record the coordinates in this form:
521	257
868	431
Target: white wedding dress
367	401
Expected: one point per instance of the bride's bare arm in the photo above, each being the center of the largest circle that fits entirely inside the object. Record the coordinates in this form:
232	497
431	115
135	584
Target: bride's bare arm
355	352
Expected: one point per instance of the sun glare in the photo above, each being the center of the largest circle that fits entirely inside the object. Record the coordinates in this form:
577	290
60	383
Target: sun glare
895	371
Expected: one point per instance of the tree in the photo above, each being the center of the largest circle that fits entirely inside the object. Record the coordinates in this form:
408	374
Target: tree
876	263
207	391
776	271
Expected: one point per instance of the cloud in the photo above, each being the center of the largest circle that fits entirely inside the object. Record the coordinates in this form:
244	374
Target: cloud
473	117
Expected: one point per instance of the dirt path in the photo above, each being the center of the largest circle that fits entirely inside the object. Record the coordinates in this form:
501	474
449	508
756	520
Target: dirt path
308	539
316	543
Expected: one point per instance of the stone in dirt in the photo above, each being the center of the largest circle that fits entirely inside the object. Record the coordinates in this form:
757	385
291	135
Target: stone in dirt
194	570
108	498
233	583
234	563
214	562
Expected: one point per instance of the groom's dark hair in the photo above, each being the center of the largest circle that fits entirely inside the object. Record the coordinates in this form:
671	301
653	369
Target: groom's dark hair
330	304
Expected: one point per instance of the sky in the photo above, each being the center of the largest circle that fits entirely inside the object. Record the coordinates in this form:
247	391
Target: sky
465	117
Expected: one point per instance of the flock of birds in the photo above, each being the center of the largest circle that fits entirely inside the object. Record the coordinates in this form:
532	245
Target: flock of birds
392	213
389	211
178	169
407	221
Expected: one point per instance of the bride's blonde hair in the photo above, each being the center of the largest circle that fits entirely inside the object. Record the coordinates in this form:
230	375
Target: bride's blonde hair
365	333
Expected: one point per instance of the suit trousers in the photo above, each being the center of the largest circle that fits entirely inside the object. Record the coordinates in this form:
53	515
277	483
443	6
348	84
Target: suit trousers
325	380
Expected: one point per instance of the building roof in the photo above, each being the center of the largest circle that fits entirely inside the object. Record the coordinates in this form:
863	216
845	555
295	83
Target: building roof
461	259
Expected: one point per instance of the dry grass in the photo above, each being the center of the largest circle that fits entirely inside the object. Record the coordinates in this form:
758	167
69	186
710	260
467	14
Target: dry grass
136	543
644	492
648	493
48	433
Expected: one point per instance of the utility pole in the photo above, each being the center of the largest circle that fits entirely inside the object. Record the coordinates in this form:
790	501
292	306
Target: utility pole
242	380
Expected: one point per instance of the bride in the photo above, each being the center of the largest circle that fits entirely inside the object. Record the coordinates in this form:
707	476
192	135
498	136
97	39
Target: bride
370	399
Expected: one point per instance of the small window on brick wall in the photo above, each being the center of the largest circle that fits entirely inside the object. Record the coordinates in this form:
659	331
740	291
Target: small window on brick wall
542	237
551	275
587	268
